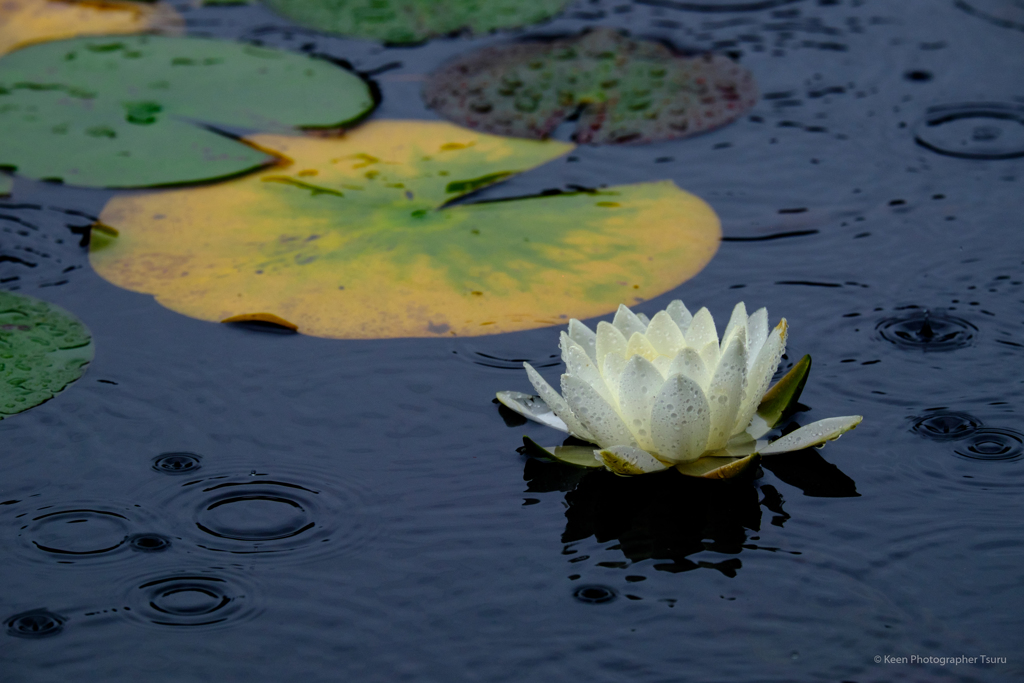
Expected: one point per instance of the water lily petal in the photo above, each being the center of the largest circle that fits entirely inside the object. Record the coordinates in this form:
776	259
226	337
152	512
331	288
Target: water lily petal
711	354
737	326
611	370
584	336
579	456
814	434
531	407
609	340
578	364
663	363
740	445
760	374
599	417
680	420
689	363
639	346
557	404
565	342
725	396
702	331
680	315
757	332
628	461
642	317
758	427
718	467
664	335
640	383
627	322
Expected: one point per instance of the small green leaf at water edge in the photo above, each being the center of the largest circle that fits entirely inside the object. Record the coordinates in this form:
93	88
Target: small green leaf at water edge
43	348
413	21
142	111
622	90
780	401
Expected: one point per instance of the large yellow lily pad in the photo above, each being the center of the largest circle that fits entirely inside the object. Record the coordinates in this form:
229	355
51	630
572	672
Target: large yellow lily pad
352	239
23	22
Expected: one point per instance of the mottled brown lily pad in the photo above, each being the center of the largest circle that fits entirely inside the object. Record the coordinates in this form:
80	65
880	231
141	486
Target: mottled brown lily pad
623	90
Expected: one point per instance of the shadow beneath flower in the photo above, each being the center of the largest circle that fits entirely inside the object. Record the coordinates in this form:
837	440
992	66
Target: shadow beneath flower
811	473
665	517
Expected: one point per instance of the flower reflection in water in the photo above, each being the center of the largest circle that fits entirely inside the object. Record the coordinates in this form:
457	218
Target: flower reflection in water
679	523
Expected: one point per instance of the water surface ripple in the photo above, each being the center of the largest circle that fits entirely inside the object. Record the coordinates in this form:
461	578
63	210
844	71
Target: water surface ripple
210	503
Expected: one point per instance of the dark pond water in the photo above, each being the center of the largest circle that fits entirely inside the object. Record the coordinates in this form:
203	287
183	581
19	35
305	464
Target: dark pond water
214	503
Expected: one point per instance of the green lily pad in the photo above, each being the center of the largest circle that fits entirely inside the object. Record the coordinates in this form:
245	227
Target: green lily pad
43	348
140	111
413	21
358	238
780	401
624	90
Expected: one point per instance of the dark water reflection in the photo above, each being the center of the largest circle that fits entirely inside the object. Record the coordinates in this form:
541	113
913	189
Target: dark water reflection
669	518
878	178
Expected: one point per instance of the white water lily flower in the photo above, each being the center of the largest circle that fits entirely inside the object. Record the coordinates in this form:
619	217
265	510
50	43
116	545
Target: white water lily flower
664	392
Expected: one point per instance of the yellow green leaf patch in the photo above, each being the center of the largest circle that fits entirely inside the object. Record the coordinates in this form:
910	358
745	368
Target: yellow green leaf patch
23	22
43	348
140	111
356	238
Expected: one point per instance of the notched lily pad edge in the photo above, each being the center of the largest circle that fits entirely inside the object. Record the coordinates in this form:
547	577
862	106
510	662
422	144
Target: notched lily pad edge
273	158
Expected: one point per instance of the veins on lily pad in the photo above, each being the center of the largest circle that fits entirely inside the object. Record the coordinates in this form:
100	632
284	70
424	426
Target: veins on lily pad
622	90
357	237
140	111
653	394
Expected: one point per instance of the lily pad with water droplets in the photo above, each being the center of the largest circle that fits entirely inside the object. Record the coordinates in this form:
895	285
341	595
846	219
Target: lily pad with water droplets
357	238
412	21
23	22
141	111
623	90
43	348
